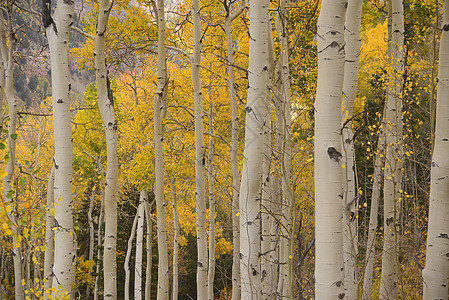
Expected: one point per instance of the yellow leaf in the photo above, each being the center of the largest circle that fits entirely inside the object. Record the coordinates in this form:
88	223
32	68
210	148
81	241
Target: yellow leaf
52	211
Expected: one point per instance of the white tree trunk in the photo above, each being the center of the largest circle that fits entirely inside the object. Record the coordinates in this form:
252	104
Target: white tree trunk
372	227
90	220
350	237
436	271
57	31
210	173
6	46
106	105
128	255
99	242
200	150
175	243
158	109
328	147
255	129
49	235
139	247
234	153
285	286
392	125
149	248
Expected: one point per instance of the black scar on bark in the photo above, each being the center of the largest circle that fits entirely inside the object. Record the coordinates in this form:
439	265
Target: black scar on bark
334	154
446	27
389	221
108	85
47	20
59	101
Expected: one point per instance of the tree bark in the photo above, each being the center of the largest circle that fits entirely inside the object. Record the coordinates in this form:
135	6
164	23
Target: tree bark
200	150
285	286
350	237
49	235
234	152
372	227
436	271
57	31
175	243
210	173
128	255
149	247
158	110
90	220
6	47
99	242
139	247
392	125
328	148
255	131
106	105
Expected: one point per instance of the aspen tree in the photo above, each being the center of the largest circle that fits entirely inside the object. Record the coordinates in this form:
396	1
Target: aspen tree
99	242
128	256
269	203
372	227
350	193
234	149
210	174
328	147
255	129
49	236
175	243
90	220
158	110
436	271
392	125
6	49
149	248
285	285
200	152
57	29
107	111
138	275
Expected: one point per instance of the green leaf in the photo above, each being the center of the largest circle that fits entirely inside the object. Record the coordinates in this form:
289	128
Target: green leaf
22	181
2	146
14	136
